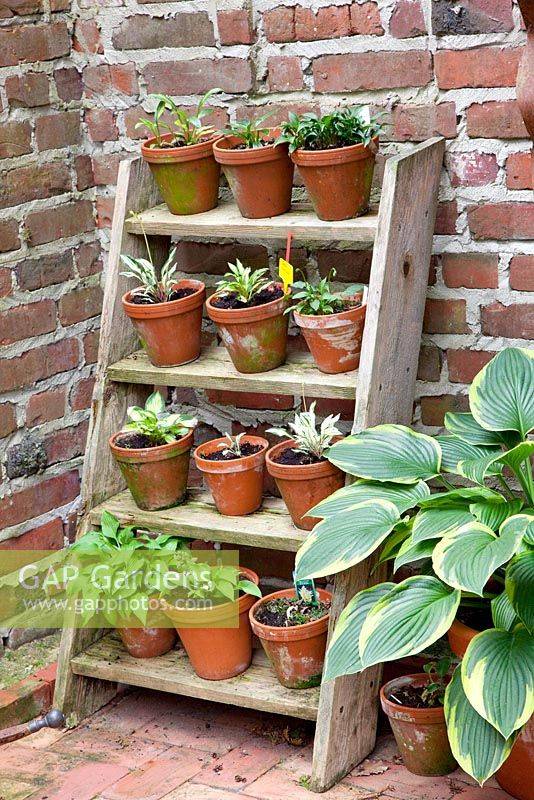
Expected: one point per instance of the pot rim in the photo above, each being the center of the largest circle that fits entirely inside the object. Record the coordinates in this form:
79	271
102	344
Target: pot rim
337	155
160	452
251	155
231	316
169	308
242	464
297	472
340	320
190	152
426	716
219	612
296	632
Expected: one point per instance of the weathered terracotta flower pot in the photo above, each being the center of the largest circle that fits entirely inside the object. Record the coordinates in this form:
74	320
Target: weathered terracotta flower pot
187	177
156	476
261	178
217	652
237	484
256	337
302	486
338	181
459	636
420	733
147	642
170	332
513	775
334	340
297	653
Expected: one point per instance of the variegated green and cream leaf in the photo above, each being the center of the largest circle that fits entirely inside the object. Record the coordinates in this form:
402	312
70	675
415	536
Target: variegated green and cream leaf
408	619
434	523
477	469
477	747
494	514
392	544
498	677
340	542
503	613
411	551
454	450
519	583
467	428
343	655
388	453
404	496
462	495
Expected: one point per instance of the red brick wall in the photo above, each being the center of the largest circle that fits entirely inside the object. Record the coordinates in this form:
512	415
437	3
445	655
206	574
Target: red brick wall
68	116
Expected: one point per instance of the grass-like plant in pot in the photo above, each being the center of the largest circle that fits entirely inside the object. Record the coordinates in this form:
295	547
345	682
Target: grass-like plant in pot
248	309
293	634
166	312
332	323
233	467
477	544
335	154
180	155
258	170
152	451
300	465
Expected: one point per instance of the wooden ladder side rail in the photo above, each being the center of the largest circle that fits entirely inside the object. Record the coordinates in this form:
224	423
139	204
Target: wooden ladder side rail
348	707
136	190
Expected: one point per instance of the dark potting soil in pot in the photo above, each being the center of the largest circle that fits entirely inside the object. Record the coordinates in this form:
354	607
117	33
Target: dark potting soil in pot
287	612
266	295
478	618
292	457
140	300
136	441
411	696
247	449
243	146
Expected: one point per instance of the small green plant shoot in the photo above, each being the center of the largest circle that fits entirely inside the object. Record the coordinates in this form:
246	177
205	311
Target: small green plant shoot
310	437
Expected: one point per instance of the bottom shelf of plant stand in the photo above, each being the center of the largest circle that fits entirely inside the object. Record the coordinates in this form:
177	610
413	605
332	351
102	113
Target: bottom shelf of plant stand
256	688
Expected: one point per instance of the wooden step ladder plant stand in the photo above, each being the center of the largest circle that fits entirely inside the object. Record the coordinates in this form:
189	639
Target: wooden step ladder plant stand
90	663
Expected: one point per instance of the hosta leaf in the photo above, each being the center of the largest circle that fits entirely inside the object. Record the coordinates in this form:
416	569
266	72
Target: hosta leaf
391	546
343	655
498	677
408	619
476	469
403	496
502	611
434	523
339	542
155	403
388	453
494	514
454	450
520	587
528	536
467	494
501	396
467	428
411	551
467	557
477	747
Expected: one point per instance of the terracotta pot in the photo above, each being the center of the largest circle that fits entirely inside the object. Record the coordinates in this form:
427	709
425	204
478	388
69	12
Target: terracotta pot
513	775
296	654
261	178
334	340
147	642
236	485
338	181
156	476
303	486
187	177
420	733
217	652
256	337
170	332
459	636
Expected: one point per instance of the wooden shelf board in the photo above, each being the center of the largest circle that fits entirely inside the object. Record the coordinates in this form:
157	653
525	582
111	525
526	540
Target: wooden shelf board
225	222
271	527
256	688
214	370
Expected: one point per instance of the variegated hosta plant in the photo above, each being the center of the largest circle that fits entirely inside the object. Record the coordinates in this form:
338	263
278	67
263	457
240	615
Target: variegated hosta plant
462	536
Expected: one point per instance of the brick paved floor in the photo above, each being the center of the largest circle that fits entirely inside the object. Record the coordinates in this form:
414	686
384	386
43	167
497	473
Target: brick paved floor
148	745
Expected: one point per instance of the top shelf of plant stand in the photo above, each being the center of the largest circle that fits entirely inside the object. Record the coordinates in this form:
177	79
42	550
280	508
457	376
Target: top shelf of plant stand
225	222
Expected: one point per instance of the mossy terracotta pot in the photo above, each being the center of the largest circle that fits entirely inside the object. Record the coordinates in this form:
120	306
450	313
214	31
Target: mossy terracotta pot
514	774
334	340
170	332
302	486
338	181
187	177
261	178
218	640
156	476
256	337
420	733
147	642
236	484
297	653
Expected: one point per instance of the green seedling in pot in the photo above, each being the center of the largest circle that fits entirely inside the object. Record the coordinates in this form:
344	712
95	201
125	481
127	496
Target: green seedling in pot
320	300
251	132
186	128
234	444
340	128
243	282
155	422
310	437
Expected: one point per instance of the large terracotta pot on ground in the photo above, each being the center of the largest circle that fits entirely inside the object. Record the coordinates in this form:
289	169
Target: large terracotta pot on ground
338	181
147	642
297	653
256	337
236	484
187	177
156	476
261	178
170	332
334	340
420	733
302	486
217	652
516	776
